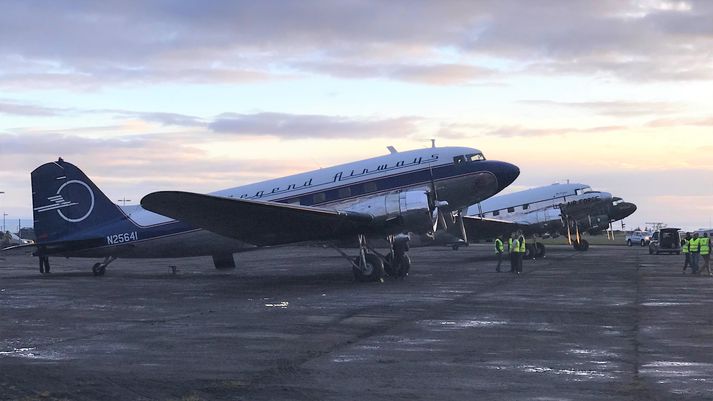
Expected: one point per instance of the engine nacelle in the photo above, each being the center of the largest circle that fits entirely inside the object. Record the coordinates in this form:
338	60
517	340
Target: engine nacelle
404	210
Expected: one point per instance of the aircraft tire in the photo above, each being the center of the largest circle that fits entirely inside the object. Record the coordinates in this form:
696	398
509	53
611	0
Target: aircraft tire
404	266
541	250
585	245
98	269
389	267
374	270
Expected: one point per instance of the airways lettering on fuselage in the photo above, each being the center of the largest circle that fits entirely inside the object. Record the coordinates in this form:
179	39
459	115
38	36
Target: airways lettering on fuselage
341	176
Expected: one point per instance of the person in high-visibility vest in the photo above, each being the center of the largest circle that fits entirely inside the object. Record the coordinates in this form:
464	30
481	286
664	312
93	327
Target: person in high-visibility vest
704	247
686	253
499	248
514	247
694	250
520	252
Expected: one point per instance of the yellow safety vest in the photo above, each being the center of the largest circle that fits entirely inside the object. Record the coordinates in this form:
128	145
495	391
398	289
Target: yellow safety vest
515	247
522	245
498	246
693	245
684	248
704	244
510	245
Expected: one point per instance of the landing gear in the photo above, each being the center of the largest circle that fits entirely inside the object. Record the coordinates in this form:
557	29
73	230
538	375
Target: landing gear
582	245
222	262
371	266
368	267
535	251
397	263
100	268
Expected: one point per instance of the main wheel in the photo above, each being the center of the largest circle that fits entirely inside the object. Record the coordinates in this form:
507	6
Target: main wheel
585	245
404	266
373	271
540	250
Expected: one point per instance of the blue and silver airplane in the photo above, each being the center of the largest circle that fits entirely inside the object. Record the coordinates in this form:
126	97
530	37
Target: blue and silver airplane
379	197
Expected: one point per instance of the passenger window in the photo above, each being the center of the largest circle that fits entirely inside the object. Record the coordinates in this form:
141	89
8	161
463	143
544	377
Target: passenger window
320	197
525	206
496	213
370	187
511	209
344	192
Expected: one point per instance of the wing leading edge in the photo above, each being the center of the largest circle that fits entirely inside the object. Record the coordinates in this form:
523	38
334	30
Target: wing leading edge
257	222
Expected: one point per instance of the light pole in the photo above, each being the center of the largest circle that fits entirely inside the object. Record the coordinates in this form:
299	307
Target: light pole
3	217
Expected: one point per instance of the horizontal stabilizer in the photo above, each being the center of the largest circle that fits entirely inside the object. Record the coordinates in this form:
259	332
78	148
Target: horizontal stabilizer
256	222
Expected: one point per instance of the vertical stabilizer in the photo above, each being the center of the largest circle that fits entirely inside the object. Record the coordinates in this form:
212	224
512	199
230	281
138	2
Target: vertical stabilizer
67	205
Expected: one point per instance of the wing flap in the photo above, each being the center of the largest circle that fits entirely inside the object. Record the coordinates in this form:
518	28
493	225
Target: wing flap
256	222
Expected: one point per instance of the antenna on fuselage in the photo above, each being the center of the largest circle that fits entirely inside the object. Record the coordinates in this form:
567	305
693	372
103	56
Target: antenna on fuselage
392	149
433	143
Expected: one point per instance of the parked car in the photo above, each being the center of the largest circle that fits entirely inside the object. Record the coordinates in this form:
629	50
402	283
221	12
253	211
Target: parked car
665	240
638	237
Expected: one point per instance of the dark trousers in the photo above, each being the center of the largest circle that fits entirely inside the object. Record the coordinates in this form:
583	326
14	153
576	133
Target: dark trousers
513	262
694	261
687	263
44	264
500	260
520	256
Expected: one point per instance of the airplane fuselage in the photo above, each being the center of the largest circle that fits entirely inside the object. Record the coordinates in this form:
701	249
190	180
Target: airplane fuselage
461	177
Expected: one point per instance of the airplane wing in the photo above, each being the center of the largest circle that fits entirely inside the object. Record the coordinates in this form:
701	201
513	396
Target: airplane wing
483	228
257	222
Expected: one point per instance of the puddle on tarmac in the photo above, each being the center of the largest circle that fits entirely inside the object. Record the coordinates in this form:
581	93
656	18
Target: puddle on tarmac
32	353
460	324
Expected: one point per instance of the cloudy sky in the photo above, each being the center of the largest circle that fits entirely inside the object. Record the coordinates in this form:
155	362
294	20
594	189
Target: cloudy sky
201	96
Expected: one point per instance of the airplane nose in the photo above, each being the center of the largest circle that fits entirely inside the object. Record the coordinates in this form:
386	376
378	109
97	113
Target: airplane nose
506	173
623	210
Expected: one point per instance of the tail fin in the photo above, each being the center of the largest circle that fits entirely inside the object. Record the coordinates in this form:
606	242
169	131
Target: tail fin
67	205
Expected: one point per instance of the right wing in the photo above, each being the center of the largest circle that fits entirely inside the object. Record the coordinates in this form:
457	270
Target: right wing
483	228
257	222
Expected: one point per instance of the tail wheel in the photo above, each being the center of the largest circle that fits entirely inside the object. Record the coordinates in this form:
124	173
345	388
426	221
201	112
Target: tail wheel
372	271
99	269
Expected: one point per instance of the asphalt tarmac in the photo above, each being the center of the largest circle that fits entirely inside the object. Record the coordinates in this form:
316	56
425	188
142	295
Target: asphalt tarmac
291	324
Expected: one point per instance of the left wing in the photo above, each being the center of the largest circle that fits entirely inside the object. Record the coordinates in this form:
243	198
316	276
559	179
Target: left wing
257	222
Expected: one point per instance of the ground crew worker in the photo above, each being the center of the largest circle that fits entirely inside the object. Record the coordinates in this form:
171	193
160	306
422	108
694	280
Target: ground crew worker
514	248
520	252
694	250
686	252
499	247
704	247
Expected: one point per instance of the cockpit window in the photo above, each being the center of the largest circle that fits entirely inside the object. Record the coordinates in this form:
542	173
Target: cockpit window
582	190
468	158
459	159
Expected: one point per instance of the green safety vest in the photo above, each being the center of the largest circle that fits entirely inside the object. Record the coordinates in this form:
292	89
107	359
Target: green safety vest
498	246
510	245
704	244
684	248
522	245
693	245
